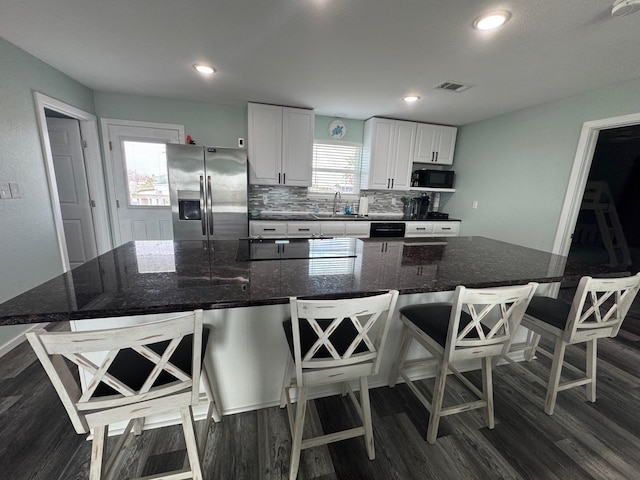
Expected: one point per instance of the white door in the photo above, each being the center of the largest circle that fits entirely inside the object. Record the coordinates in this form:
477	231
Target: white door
140	179
73	191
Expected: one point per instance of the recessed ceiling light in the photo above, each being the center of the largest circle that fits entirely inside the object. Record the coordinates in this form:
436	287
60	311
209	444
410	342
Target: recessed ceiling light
204	69
491	20
411	98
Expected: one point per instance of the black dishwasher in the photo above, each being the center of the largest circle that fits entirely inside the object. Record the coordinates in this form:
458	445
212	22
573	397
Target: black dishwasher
387	229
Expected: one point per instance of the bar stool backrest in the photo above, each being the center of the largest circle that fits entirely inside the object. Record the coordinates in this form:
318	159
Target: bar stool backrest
93	352
599	307
338	333
493	315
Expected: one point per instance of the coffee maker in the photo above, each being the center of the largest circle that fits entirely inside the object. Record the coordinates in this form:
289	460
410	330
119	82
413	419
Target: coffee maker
416	208
421	207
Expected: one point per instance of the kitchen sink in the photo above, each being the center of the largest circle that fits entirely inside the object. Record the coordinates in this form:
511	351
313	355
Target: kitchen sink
333	216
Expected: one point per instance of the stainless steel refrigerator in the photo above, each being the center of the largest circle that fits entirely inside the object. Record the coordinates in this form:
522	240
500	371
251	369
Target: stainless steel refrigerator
208	190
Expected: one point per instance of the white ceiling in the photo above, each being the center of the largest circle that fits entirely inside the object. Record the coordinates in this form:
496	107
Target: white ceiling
348	58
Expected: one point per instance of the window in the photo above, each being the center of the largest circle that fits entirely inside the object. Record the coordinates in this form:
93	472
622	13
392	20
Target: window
147	178
336	166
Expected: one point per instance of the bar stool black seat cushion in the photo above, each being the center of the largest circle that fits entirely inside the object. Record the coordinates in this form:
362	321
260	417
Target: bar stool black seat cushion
341	338
433	319
549	310
133	369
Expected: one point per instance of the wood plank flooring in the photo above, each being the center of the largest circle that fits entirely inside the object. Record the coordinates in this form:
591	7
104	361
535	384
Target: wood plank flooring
580	441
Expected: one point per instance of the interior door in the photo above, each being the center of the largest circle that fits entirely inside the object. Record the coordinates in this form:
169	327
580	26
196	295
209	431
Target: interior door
140	181
73	191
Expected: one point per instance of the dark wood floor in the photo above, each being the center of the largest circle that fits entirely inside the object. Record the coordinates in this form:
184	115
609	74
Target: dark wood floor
581	441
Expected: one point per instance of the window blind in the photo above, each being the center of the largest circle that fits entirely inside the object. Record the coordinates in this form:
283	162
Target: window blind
336	166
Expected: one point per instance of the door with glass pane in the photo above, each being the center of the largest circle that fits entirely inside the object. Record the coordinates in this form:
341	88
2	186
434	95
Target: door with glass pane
140	183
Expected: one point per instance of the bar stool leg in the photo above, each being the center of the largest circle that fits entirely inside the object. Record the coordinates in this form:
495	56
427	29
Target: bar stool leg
98	447
487	389
296	440
399	361
592	359
366	413
436	402
554	376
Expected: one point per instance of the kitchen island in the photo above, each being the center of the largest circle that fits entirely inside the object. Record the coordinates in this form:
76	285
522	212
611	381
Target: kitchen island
245	301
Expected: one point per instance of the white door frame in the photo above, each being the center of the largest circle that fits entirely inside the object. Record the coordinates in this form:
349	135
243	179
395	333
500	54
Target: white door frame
111	183
93	164
579	175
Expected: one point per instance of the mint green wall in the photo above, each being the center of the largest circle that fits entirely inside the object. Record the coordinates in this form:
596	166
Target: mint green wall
208	124
517	165
27	234
355	129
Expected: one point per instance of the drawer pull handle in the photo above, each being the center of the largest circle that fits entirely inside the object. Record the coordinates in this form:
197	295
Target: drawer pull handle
446	228
269	229
420	228
303	229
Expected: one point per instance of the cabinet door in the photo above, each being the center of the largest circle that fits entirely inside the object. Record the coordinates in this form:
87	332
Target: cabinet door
332	229
424	151
297	146
357	229
381	153
404	141
435	144
446	142
265	143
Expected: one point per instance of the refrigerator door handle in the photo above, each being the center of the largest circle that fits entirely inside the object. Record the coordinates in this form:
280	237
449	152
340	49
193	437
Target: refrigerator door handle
210	206
203	220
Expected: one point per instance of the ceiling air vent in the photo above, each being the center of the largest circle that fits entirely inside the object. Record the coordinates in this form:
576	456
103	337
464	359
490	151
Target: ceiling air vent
454	86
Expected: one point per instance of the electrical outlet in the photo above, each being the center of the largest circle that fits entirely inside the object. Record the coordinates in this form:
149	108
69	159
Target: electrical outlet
240	142
474	204
16	192
5	192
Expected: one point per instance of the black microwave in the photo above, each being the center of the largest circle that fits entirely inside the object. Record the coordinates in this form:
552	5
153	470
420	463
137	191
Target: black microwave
432	178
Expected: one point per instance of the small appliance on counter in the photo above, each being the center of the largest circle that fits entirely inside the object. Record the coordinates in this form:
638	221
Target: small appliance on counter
416	208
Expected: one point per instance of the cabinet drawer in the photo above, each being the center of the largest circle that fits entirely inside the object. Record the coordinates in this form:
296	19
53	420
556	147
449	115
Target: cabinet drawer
418	229
268	229
446	228
303	229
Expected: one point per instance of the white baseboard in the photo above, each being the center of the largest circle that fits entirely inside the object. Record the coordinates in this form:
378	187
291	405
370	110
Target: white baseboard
17	340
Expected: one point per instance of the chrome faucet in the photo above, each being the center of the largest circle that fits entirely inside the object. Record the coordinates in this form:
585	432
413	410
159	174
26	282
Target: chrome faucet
337	198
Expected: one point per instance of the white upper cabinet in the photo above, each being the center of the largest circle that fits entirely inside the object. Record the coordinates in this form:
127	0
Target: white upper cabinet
280	145
387	154
435	144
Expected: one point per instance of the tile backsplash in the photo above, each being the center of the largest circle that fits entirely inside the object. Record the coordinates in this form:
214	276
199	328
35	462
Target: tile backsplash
294	199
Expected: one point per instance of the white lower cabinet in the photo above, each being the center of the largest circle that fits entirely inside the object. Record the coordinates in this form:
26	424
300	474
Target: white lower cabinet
267	229
303	229
275	229
442	229
352	228
357	229
432	229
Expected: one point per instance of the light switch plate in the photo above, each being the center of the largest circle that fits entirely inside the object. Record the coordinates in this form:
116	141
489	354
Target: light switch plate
4	190
16	191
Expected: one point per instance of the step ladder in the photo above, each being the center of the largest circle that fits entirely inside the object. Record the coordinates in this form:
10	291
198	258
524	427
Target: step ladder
597	197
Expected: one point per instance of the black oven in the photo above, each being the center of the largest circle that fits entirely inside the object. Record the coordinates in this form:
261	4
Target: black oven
432	178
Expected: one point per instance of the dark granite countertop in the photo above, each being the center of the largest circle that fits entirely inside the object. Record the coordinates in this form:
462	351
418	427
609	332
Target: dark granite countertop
326	217
165	276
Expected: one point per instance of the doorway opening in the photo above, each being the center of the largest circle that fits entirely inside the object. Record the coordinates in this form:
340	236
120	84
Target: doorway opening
94	191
